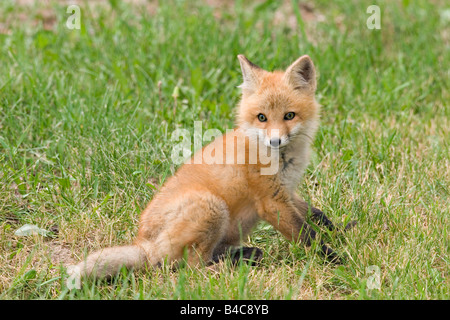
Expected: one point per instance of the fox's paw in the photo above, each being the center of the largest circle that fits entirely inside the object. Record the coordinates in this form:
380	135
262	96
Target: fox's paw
249	255
330	255
348	226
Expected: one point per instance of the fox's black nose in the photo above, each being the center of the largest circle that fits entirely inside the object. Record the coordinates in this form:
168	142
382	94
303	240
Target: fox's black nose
275	142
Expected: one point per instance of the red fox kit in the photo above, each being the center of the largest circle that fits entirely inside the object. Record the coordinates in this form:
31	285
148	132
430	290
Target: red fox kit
204	210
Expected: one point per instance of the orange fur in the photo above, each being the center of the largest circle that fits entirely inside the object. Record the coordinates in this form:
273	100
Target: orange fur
208	208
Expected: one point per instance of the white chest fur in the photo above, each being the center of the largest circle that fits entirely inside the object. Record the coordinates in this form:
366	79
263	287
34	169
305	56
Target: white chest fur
293	162
294	158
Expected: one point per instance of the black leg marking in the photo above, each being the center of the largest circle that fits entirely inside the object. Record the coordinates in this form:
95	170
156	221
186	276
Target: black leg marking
329	254
350	225
321	218
249	255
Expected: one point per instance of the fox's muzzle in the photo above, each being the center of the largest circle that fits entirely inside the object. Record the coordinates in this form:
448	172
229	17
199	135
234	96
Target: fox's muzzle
275	142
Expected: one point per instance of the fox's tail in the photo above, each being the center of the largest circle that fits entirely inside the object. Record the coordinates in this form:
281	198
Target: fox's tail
107	263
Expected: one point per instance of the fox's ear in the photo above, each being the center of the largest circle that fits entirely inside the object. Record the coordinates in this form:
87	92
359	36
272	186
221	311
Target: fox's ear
251	74
302	75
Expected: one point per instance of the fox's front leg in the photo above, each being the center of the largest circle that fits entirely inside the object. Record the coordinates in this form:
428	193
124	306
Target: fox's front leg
283	214
280	211
318	216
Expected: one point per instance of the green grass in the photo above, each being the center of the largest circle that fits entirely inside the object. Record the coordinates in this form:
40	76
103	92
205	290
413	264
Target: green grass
85	138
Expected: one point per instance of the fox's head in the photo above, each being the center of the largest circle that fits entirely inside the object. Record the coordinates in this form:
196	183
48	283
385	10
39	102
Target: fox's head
276	107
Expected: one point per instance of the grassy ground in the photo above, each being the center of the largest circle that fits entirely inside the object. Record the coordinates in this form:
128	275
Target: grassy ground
85	140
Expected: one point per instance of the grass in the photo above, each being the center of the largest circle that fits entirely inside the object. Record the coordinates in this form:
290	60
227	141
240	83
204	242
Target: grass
86	118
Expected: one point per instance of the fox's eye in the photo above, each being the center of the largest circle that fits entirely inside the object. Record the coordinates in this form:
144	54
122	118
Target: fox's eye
262	117
289	116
